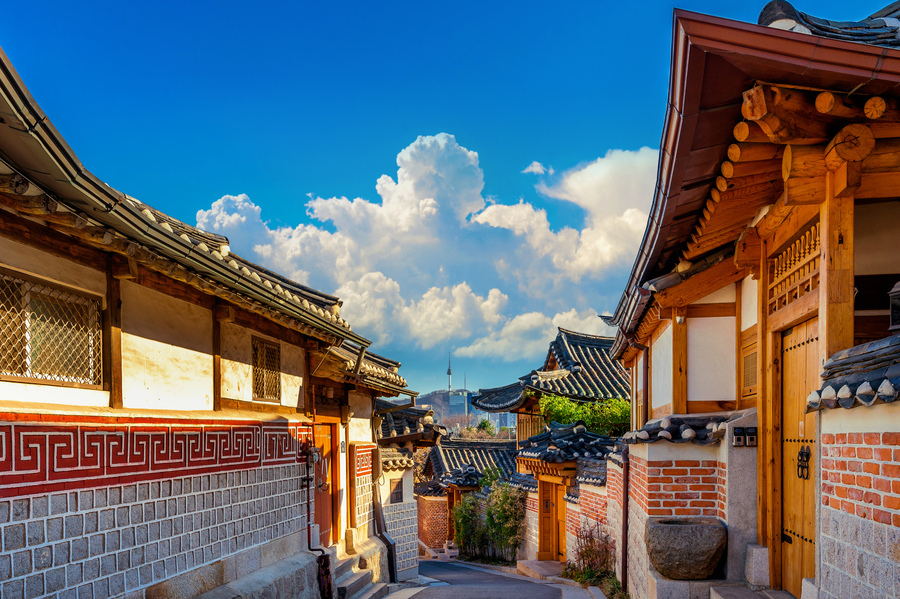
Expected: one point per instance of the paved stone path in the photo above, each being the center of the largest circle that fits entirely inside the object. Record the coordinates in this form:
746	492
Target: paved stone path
469	583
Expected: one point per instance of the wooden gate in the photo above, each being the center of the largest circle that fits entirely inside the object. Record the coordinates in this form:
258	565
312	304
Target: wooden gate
324	483
547	522
800	375
561	523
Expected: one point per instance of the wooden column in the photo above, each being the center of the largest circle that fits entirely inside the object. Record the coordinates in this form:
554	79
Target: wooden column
738	361
763	460
217	357
113	369
836	283
679	361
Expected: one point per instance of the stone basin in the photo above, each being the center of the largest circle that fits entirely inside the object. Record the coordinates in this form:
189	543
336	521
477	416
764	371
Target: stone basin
685	548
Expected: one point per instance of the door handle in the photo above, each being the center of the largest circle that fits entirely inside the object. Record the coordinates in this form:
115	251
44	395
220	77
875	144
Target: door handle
786	538
803	462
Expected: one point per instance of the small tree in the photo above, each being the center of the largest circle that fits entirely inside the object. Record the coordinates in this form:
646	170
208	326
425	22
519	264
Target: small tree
486	427
606	417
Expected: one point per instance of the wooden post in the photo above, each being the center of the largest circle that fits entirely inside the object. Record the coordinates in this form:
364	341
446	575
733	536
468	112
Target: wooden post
679	361
762	399
217	357
114	310
739	363
836	281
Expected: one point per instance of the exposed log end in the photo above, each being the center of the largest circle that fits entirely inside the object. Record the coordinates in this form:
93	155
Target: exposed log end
853	143
875	107
749	132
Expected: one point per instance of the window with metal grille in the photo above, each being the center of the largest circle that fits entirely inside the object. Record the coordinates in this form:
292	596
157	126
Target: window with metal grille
750	370
266	370
48	333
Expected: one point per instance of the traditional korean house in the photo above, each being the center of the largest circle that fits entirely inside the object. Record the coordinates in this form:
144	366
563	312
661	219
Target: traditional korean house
174	419
769	250
402	430
566	465
453	469
578	366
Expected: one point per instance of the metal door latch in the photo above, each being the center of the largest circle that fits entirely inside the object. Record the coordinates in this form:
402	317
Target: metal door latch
803	462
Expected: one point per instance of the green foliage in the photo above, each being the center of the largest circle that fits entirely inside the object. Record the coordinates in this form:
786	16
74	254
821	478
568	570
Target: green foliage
608	417
490	528
595	562
485	426
490	476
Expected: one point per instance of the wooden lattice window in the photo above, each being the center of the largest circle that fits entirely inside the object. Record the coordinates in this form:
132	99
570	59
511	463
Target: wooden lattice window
794	273
266	370
749	360
48	333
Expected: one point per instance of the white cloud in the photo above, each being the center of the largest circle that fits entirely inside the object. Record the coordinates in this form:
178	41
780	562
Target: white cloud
535	168
419	267
614	191
526	336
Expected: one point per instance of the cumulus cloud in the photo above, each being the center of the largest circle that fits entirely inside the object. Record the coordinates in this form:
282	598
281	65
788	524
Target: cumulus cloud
525	337
428	262
614	191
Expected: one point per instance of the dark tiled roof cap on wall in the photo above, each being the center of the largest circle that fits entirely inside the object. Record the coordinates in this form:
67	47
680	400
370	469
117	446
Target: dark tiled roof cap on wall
699	429
863	375
578	366
407	421
563	443
879	29
431	488
526	482
396	459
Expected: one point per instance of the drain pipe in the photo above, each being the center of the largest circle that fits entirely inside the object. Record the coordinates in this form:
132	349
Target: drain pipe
380	524
625	502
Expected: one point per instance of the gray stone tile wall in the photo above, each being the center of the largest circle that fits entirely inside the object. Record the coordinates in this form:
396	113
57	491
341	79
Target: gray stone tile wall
403	527
107	542
859	557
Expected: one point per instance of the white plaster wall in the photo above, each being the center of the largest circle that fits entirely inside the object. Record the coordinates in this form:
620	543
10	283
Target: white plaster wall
236	347
725	295
711	359
344	476
879	418
166	351
360	429
875	228
32	261
52	394
749	301
661	370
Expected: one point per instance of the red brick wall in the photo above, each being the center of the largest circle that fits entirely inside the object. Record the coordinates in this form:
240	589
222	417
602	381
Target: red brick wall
614	486
593	505
432	521
573	519
861	475
679	487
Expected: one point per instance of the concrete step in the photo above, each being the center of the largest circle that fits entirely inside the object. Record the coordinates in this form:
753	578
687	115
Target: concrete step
770	594
541	570
353	584
376	591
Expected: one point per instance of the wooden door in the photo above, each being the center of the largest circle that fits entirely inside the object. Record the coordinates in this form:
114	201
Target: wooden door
324	472
547	522
561	523
800	375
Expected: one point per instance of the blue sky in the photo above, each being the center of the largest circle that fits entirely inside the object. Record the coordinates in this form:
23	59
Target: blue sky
466	175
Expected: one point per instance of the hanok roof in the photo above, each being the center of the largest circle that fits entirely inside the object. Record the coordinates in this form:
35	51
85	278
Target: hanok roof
879	29
577	366
453	454
863	375
49	183
407	424
714	61
396	459
566	442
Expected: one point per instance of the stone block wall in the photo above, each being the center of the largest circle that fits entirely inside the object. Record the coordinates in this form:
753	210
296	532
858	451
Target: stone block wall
614	509
400	519
94	507
638	561
432	520
860	515
531	542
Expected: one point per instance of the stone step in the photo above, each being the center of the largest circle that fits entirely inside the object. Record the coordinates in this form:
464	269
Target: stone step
733	593
342	567
353	584
376	591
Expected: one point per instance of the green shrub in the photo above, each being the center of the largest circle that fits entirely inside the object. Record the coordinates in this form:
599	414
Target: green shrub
595	562
610	417
490	528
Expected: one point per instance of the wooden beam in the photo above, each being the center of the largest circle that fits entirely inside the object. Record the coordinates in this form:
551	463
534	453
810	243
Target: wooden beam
803	161
700	285
836	284
838	105
217	359
797	220
731	170
125	268
784	115
883	109
806	190
753	152
878	185
747	250
750	132
716	310
679	361
738	301
14	184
